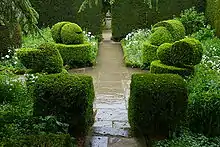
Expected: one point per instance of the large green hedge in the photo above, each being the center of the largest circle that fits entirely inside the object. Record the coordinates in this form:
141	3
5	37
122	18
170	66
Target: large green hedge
45	59
69	97
53	11
126	16
157	103
44	140
78	55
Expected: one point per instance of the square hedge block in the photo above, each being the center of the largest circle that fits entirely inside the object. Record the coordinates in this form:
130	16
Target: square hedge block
79	55
157	103
69	97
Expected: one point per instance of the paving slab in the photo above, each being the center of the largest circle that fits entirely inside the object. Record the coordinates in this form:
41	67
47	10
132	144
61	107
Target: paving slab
112	114
109	131
122	142
99	141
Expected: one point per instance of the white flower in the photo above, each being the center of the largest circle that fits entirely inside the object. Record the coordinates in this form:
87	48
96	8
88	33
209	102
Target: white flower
7	56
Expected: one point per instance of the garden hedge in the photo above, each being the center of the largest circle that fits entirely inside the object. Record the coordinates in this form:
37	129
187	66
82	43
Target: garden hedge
213	14
159	68
187	51
175	28
78	55
127	15
67	33
54	11
149	54
44	140
157	103
69	97
159	36
44	59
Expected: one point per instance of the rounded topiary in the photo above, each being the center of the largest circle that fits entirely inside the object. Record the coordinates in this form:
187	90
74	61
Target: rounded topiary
71	33
163	52
159	36
175	28
187	51
55	31
149	54
157	103
159	68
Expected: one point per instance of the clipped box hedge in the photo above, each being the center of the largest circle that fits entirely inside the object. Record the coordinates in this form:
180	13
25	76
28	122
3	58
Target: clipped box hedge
157	103
78	55
44	140
187	51
159	68
175	27
44	59
69	97
159	36
149	54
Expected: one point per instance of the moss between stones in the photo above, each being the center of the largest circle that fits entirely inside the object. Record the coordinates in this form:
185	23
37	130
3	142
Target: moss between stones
175	27
157	103
160	68
75	55
159	36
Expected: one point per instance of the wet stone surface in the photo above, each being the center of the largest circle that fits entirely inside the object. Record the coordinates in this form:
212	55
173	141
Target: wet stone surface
109	131
99	141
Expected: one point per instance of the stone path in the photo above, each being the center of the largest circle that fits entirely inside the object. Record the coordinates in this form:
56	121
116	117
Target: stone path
111	81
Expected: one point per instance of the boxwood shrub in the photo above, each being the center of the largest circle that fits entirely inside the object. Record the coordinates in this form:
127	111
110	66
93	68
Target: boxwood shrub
159	36
44	140
149	54
76	55
187	51
157	103
56	29
159	68
175	28
44	59
69	97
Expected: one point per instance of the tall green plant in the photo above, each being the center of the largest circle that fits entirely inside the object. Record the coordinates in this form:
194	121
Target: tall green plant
18	11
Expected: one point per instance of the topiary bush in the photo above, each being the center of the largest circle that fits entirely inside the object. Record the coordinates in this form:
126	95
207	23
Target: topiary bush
44	59
67	33
43	140
157	103
56	31
149	54
68	97
159	68
175	28
187	51
76	55
159	36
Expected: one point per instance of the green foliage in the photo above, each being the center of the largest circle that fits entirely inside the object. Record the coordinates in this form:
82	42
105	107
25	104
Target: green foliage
157	103
192	20
159	68
48	140
189	139
69	97
127	15
204	101
187	51
56	31
132	46
71	33
204	33
79	55
159	36
149	54
18	11
175	28
44	59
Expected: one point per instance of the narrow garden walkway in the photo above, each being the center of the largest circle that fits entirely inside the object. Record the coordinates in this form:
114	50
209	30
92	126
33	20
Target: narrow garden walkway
111	81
